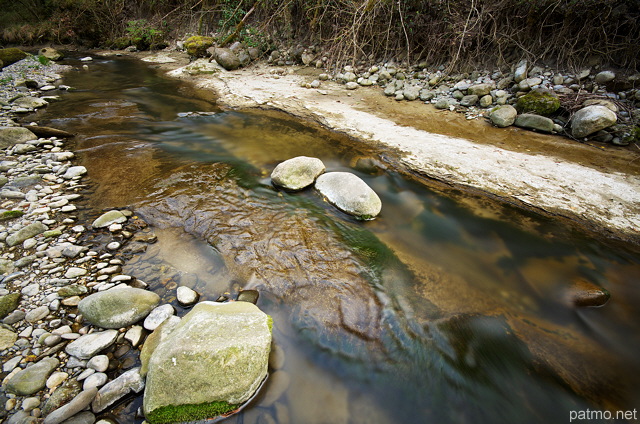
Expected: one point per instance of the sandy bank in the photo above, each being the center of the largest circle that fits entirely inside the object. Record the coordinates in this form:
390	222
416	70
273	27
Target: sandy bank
589	186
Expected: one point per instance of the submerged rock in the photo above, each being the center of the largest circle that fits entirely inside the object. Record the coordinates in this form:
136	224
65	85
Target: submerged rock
583	293
215	359
297	173
591	119
350	194
118	307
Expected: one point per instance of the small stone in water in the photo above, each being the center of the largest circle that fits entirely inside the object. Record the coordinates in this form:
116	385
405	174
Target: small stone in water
250	296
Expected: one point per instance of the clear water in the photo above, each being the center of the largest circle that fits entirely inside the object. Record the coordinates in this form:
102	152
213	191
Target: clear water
447	308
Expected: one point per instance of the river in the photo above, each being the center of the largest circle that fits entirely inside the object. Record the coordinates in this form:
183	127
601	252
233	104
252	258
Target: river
449	307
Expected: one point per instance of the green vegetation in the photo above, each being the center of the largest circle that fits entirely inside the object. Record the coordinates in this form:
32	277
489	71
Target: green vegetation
4	215
538	102
183	413
43	60
11	55
197	45
8	304
457	33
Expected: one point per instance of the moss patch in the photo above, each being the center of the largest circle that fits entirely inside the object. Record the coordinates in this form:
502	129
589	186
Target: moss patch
182	413
11	55
4	215
538	102
197	45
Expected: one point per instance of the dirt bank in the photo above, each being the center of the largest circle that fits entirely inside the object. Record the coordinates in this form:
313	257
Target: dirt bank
587	185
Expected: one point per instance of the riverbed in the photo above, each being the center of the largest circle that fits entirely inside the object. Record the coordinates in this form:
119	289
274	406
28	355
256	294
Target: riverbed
449	307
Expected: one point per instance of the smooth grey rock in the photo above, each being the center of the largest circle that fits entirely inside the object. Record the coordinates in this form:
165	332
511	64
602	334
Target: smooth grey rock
29	102
74	171
219	351
97	379
351	85
81	401
503	116
158	316
469	100
186	296
37	314
84	417
99	363
75	272
350	194
25	233
226	58
134	335
534	122
297	173
108	218
604	77
591	119
32	379
118	307
128	382
521	71
480	89
89	345
10	136
411	92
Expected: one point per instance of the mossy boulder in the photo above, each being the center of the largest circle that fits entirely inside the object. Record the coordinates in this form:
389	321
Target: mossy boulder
51	53
8	304
11	55
197	45
118	307
4	215
213	361
538	102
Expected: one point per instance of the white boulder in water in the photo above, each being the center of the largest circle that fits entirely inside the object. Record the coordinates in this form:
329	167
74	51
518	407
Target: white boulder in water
297	173
350	194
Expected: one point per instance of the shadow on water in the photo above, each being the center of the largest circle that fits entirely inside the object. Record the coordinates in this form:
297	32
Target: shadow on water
446	308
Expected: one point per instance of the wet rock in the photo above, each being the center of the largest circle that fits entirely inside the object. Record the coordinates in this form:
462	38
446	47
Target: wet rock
128	382
154	339
25	233
79	402
278	384
108	218
118	307
186	296
350	194
297	173
33	378
135	335
582	293
250	296
89	345
591	119
192	365
534	122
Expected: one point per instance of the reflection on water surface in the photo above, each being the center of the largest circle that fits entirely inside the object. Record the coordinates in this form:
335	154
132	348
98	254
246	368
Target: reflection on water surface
446	308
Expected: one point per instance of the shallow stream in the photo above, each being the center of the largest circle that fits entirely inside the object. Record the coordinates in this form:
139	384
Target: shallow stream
447	308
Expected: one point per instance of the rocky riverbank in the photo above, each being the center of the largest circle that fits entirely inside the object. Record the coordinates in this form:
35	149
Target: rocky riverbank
580	182
72	321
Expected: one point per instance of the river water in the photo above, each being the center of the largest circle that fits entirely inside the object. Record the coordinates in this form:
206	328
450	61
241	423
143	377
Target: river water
447	308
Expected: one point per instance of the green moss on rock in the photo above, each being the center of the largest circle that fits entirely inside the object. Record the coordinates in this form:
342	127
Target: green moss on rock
8	304
538	102
4	215
11	55
197	45
182	413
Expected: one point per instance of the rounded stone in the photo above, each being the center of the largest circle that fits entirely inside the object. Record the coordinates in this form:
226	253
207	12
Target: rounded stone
297	173
591	119
350	194
186	296
158	316
99	363
118	307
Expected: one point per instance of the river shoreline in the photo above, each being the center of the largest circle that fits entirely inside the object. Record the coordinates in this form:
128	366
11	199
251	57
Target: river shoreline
586	186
